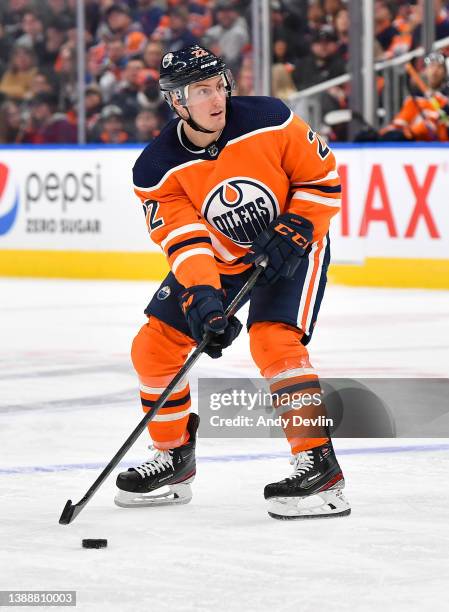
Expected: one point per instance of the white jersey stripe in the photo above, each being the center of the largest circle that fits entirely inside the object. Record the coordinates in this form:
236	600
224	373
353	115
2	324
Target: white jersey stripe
221	249
293	373
311	197
316	284
305	288
159	390
174	416
186	229
183	256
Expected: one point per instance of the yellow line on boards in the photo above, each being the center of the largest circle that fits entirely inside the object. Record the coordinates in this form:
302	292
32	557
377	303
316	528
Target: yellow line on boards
83	264
374	272
391	272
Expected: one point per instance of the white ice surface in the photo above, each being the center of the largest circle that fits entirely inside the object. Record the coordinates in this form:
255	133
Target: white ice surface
68	399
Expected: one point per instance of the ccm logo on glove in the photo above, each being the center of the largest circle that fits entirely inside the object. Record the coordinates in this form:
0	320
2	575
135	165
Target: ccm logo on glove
296	237
284	242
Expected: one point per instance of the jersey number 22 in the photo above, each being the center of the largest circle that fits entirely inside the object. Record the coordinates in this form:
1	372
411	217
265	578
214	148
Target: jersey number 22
150	208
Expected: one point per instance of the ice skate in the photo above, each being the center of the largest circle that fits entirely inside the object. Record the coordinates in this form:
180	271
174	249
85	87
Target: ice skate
314	490
172	470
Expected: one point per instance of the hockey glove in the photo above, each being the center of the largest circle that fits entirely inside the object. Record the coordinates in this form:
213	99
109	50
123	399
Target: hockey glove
285	241
203	308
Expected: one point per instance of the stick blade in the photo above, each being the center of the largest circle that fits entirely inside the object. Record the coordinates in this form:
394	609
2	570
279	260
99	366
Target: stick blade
71	511
67	515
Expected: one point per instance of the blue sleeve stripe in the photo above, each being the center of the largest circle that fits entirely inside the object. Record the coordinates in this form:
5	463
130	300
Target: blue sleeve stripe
313	384
188	242
323	188
168	404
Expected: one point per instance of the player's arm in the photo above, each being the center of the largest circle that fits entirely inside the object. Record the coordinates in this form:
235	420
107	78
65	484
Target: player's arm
314	198
310	165
174	224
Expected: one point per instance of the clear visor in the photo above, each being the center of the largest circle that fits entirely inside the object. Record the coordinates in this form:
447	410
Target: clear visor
216	88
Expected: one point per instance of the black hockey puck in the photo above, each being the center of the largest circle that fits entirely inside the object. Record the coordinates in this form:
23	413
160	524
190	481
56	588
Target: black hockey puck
95	543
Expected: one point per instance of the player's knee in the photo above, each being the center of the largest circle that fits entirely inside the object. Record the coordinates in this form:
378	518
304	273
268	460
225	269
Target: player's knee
157	346
276	347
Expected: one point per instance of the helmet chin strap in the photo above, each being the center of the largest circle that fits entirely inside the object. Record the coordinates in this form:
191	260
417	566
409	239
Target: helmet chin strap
192	123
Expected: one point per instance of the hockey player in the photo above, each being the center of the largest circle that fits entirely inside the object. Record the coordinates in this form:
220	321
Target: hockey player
424	117
228	180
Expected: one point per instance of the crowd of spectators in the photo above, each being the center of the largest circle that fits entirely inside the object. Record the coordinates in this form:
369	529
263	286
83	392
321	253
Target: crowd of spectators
125	42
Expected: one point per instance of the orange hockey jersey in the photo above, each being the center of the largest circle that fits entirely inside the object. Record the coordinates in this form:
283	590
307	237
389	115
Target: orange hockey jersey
205	207
419	120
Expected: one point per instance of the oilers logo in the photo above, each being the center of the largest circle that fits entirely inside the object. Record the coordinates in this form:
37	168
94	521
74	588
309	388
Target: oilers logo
9	199
240	208
163	293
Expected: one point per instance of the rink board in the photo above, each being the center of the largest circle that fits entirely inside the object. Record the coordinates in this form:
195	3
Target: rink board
70	212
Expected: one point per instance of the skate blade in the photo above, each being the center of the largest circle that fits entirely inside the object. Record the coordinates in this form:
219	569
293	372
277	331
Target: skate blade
176	494
325	504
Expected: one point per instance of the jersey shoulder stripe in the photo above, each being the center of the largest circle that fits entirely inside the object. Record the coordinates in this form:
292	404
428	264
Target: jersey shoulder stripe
247	116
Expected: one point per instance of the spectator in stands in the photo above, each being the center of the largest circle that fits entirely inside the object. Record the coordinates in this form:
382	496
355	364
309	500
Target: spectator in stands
43	82
67	76
290	27
12	17
315	17
16	80
55	38
178	34
245	78
33	32
383	24
116	58
10	122
331	8
152	56
94	103
282	54
200	17
46	125
404	25
57	9
441	11
424	117
146	126
342	31
323	63
6	44
126	96
148	14
121	25
282	85
106	66
111	129
150	98
230	36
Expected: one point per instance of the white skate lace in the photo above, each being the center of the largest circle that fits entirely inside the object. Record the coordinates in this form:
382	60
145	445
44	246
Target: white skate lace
303	462
161	460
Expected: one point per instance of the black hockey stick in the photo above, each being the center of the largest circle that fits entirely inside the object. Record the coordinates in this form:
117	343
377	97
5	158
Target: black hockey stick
71	511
